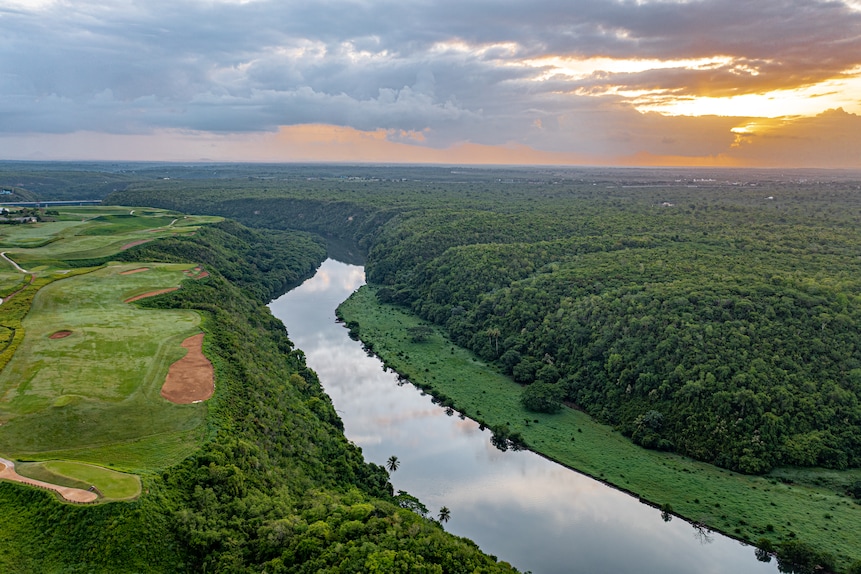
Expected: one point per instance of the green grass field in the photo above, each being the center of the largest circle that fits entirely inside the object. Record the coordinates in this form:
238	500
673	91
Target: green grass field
745	507
100	385
111	484
92	396
87	233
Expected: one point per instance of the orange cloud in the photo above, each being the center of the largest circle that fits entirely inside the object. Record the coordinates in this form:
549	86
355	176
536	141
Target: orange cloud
830	140
320	143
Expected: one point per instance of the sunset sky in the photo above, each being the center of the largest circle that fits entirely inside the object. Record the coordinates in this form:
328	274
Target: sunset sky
588	82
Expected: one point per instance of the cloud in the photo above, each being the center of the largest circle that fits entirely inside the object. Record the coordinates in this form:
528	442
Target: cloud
480	72
830	139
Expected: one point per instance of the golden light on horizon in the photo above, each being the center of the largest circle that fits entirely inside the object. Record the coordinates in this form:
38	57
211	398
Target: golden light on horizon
842	92
582	68
807	101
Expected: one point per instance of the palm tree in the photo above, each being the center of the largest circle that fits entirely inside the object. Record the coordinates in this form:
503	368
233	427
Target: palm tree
393	463
444	514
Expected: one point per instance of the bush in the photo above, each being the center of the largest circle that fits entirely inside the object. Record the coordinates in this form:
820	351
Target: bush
801	558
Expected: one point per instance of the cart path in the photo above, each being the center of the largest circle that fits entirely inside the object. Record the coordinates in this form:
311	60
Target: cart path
15	265
7	471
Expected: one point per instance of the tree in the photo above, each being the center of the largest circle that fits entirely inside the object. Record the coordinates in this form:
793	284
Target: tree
493	334
509	360
393	463
802	558
410	502
547	374
542	398
444	514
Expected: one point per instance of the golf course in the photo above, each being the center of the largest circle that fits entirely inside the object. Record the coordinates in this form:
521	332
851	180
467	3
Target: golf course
81	398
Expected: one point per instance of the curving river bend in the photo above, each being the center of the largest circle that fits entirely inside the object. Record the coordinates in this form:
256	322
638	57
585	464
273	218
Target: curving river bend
518	506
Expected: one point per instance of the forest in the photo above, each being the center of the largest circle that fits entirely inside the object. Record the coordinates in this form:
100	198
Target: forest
276	486
708	313
710	316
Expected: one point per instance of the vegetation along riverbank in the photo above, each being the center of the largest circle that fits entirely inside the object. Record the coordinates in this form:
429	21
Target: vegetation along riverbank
710	314
768	511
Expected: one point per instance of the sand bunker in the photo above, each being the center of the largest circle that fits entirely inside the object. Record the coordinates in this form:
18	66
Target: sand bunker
7	471
138	270
150	294
192	378
59	335
133	243
196	273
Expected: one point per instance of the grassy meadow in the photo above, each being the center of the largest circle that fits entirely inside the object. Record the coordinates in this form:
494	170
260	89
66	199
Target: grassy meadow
783	506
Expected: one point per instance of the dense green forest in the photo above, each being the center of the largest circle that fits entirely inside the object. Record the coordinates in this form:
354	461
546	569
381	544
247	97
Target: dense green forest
276	488
711	316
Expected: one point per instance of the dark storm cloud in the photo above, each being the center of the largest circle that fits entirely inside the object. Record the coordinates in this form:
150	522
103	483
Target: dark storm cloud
453	68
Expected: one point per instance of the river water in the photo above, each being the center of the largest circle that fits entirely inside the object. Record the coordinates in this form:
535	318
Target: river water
517	506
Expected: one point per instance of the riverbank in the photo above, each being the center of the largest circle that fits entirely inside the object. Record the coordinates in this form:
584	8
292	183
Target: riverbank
749	508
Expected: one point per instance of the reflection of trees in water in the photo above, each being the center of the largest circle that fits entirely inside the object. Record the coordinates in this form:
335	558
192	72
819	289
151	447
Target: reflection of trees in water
764	550
344	251
503	439
702	533
762	555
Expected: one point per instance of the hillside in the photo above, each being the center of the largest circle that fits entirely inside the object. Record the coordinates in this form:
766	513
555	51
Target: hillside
714	320
270	482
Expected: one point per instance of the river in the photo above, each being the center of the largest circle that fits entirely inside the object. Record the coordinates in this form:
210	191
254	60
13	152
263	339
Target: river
517	506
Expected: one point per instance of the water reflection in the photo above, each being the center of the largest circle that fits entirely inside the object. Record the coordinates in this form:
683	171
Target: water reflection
516	505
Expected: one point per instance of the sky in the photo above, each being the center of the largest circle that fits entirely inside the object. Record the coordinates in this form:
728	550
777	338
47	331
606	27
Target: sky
765	83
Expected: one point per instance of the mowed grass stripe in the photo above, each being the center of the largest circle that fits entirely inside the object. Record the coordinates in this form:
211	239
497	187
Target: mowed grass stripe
138	455
100	385
89	234
112	485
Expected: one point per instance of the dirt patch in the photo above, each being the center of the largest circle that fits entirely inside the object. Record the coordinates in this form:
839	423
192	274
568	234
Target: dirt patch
7	471
192	378
150	294
59	335
32	277
131	271
133	243
196	273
